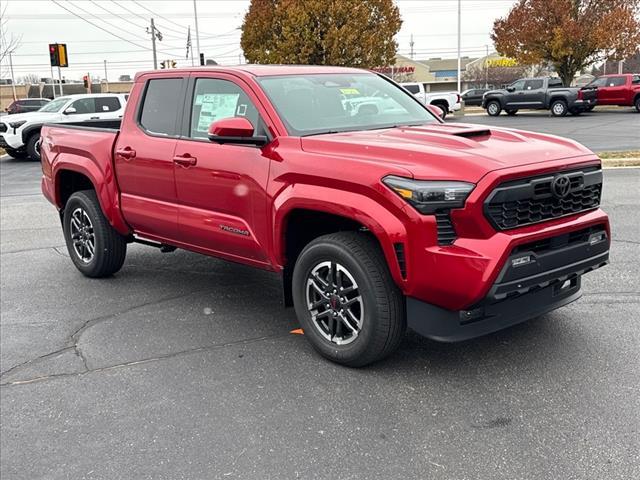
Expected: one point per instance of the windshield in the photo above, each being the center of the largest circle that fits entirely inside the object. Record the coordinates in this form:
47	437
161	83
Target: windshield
327	103
54	105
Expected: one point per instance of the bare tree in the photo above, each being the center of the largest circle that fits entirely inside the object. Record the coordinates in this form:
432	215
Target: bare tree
8	43
29	78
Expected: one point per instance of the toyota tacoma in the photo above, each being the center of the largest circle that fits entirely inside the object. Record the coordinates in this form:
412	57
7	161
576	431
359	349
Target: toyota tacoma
377	218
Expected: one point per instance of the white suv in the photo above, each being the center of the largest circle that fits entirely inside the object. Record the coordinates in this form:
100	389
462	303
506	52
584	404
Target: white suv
20	133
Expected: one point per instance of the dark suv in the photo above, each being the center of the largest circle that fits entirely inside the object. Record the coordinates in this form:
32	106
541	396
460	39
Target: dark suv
24	105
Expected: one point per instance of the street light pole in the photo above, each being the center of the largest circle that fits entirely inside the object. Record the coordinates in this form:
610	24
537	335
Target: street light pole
195	14
486	68
106	78
459	36
153	43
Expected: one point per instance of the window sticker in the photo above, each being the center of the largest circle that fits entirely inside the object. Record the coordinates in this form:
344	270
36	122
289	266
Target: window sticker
349	91
216	106
242	110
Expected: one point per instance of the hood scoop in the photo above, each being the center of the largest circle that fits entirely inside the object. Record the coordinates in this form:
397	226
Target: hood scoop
473	132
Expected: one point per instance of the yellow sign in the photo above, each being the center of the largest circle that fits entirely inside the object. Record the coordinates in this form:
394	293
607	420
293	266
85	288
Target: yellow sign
501	62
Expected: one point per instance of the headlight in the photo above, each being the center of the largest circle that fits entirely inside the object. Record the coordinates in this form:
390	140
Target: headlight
15	125
427	196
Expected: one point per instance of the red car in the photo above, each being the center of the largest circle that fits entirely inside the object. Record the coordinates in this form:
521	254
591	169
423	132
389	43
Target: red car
622	90
24	105
376	214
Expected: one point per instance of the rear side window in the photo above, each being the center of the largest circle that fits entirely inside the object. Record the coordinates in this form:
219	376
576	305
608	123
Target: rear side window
413	88
107	104
161	105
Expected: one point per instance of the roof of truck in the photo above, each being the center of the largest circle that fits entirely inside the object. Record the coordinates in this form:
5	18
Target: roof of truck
260	70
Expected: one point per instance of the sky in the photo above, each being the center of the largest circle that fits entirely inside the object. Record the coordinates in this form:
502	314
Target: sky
114	30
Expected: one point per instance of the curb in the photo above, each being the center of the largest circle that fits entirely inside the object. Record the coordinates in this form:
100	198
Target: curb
620	162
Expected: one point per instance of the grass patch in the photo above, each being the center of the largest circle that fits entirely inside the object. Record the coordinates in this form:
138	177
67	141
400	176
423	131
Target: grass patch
627	154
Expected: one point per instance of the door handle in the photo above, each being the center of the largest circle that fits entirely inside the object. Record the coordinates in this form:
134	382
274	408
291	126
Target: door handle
185	160
94	118
127	153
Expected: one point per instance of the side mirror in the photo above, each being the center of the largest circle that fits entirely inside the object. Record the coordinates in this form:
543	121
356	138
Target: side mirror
235	130
70	111
511	89
436	110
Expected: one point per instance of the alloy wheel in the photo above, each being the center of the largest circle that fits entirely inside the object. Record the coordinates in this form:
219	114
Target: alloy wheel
82	235
334	301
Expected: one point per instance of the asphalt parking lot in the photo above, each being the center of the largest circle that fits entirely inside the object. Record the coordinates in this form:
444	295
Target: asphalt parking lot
182	366
600	130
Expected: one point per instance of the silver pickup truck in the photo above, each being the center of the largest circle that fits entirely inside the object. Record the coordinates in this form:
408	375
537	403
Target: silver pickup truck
544	93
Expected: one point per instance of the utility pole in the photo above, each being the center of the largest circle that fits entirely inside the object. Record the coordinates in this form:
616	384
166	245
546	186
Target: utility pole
195	14
411	45
13	80
60	80
106	78
53	84
459	36
153	43
620	63
486	68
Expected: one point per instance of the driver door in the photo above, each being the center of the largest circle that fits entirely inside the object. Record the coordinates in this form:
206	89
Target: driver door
81	110
221	188
514	98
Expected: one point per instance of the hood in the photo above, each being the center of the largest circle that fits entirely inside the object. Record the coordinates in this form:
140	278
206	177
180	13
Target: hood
30	117
447	151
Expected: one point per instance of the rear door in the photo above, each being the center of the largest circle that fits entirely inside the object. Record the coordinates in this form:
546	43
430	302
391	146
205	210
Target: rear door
222	188
144	158
109	107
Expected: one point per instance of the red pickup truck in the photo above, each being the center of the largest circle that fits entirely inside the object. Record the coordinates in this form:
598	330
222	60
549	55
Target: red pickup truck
377	215
622	90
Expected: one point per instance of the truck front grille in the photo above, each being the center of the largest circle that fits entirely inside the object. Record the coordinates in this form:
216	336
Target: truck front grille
537	199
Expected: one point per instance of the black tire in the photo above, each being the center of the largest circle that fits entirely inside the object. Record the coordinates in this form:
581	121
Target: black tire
637	104
511	113
575	112
109	247
590	108
383	321
444	108
559	108
33	146
494	108
18	154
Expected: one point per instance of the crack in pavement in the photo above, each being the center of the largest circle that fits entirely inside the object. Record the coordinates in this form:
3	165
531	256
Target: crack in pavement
72	342
189	351
53	247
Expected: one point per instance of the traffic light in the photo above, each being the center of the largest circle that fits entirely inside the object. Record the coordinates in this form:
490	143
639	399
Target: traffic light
53	55
58	55
85	80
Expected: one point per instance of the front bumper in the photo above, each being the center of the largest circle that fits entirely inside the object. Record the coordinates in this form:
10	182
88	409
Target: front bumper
583	104
536	278
8	139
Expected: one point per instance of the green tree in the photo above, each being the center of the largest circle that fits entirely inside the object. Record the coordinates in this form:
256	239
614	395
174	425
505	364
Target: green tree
321	32
569	34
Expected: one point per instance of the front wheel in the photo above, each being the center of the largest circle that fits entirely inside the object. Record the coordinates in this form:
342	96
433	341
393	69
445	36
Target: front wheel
559	108
346	301
494	108
33	146
637	104
95	248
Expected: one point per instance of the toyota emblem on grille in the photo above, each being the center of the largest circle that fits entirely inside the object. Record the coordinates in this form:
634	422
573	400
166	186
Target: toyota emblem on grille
561	186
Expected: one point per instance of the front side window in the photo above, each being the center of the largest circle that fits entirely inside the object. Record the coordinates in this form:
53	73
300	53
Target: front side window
55	105
616	82
84	105
160	106
322	103
519	85
598	82
214	100
107	104
533	84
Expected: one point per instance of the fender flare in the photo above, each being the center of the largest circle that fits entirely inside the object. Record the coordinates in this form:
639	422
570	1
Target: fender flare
29	130
378	219
103	183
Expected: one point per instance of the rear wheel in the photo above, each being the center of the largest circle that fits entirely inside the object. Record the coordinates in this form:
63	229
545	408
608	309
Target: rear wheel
19	154
559	108
637	103
444	109
511	113
33	146
494	108
346	301
95	248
